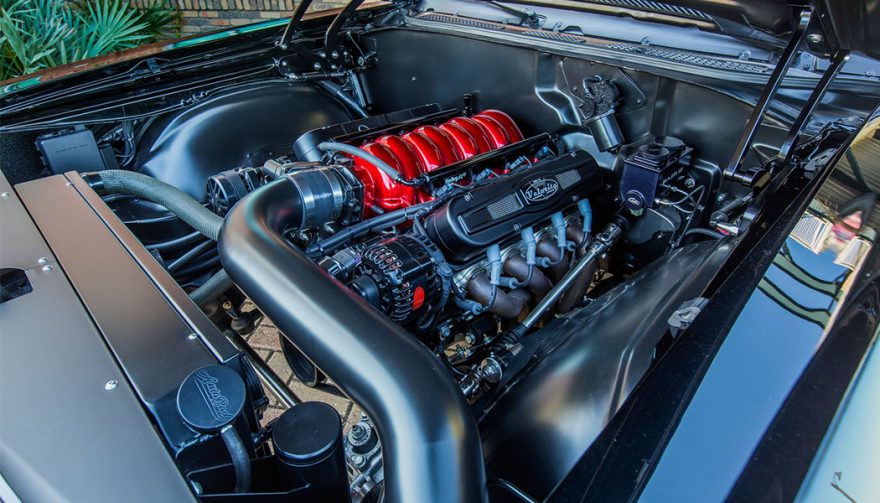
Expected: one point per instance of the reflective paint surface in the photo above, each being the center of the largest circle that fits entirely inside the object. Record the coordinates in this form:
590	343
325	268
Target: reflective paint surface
782	326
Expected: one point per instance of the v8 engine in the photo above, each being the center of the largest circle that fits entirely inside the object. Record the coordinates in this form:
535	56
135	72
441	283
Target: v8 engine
440	221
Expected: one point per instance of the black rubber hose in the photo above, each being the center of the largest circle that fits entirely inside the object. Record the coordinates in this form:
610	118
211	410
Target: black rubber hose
117	181
430	441
703	232
189	255
176	242
350	102
212	288
199	267
380	222
241	462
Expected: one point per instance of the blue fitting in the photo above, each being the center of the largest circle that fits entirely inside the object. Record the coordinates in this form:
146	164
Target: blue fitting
468	305
528	238
558	221
495	279
587	214
493	253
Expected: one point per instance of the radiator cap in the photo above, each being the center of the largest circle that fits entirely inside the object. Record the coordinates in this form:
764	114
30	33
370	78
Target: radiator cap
210	398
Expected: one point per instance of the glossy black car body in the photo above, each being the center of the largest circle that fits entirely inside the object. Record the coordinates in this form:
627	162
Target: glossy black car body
747	402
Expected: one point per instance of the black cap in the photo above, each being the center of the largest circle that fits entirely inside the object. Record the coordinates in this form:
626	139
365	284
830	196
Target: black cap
670	142
210	398
307	433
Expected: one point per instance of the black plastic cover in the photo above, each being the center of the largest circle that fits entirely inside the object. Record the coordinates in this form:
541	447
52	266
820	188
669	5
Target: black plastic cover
472	221
13	283
71	151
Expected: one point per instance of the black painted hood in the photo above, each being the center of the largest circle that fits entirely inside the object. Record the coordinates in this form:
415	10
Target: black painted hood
854	24
775	17
851	24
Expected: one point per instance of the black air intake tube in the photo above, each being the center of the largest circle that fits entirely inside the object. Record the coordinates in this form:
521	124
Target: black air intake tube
430	442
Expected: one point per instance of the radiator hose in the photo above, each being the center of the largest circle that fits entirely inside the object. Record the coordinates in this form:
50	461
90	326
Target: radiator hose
117	181
430	442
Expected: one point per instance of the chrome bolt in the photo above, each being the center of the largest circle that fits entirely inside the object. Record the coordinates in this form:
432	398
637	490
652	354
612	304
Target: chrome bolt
47	268
43	260
4	195
359	432
111	384
815	38
334	55
317	65
192	336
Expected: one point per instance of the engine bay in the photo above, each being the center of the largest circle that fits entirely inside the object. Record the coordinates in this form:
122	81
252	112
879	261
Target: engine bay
484	245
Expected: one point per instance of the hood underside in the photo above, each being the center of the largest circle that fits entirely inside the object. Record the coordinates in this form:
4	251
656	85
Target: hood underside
849	25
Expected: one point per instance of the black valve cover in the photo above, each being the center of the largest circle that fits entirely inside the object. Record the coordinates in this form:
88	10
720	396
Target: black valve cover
470	222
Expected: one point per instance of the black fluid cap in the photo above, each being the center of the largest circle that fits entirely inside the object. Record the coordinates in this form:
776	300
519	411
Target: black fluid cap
670	142
307	433
210	398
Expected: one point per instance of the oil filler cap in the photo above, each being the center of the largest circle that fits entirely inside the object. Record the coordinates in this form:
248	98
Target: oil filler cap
210	398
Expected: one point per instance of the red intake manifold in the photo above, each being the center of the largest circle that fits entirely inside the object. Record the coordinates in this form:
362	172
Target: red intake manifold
425	149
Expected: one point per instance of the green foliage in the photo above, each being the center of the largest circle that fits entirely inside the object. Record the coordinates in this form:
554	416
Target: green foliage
38	34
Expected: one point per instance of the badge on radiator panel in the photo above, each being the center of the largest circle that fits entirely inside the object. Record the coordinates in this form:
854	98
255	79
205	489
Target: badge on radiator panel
540	189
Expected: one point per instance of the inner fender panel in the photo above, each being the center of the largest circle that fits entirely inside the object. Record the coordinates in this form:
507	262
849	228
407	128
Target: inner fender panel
239	128
587	364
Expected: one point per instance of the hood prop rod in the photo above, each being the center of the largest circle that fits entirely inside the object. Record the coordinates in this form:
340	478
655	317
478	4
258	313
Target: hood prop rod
293	26
758	176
